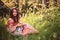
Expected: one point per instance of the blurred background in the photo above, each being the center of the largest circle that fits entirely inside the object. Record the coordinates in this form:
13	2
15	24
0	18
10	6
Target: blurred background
44	15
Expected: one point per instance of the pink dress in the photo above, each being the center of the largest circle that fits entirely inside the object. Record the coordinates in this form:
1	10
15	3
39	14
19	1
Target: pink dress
23	30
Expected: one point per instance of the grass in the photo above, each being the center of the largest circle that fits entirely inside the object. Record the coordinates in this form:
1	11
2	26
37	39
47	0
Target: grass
47	24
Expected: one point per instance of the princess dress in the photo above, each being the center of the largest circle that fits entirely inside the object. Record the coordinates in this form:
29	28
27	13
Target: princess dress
24	29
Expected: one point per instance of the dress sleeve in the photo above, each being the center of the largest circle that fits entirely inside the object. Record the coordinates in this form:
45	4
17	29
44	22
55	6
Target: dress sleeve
10	25
10	22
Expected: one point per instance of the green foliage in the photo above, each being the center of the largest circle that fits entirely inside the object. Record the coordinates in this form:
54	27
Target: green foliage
47	24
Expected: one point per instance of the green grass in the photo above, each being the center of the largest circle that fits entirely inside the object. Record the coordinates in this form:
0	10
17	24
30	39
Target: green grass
48	25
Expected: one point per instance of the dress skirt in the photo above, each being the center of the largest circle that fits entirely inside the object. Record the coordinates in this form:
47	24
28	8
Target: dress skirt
24	30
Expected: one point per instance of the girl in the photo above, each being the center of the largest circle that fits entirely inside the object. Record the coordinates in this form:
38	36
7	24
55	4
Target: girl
16	28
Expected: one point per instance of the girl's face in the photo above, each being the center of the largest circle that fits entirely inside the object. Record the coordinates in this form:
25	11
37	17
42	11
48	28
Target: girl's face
14	12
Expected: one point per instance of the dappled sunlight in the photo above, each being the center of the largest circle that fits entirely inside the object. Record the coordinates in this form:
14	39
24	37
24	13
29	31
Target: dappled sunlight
36	13
46	25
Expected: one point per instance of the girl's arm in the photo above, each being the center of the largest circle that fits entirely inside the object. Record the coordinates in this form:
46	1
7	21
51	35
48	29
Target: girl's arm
12	28
10	25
